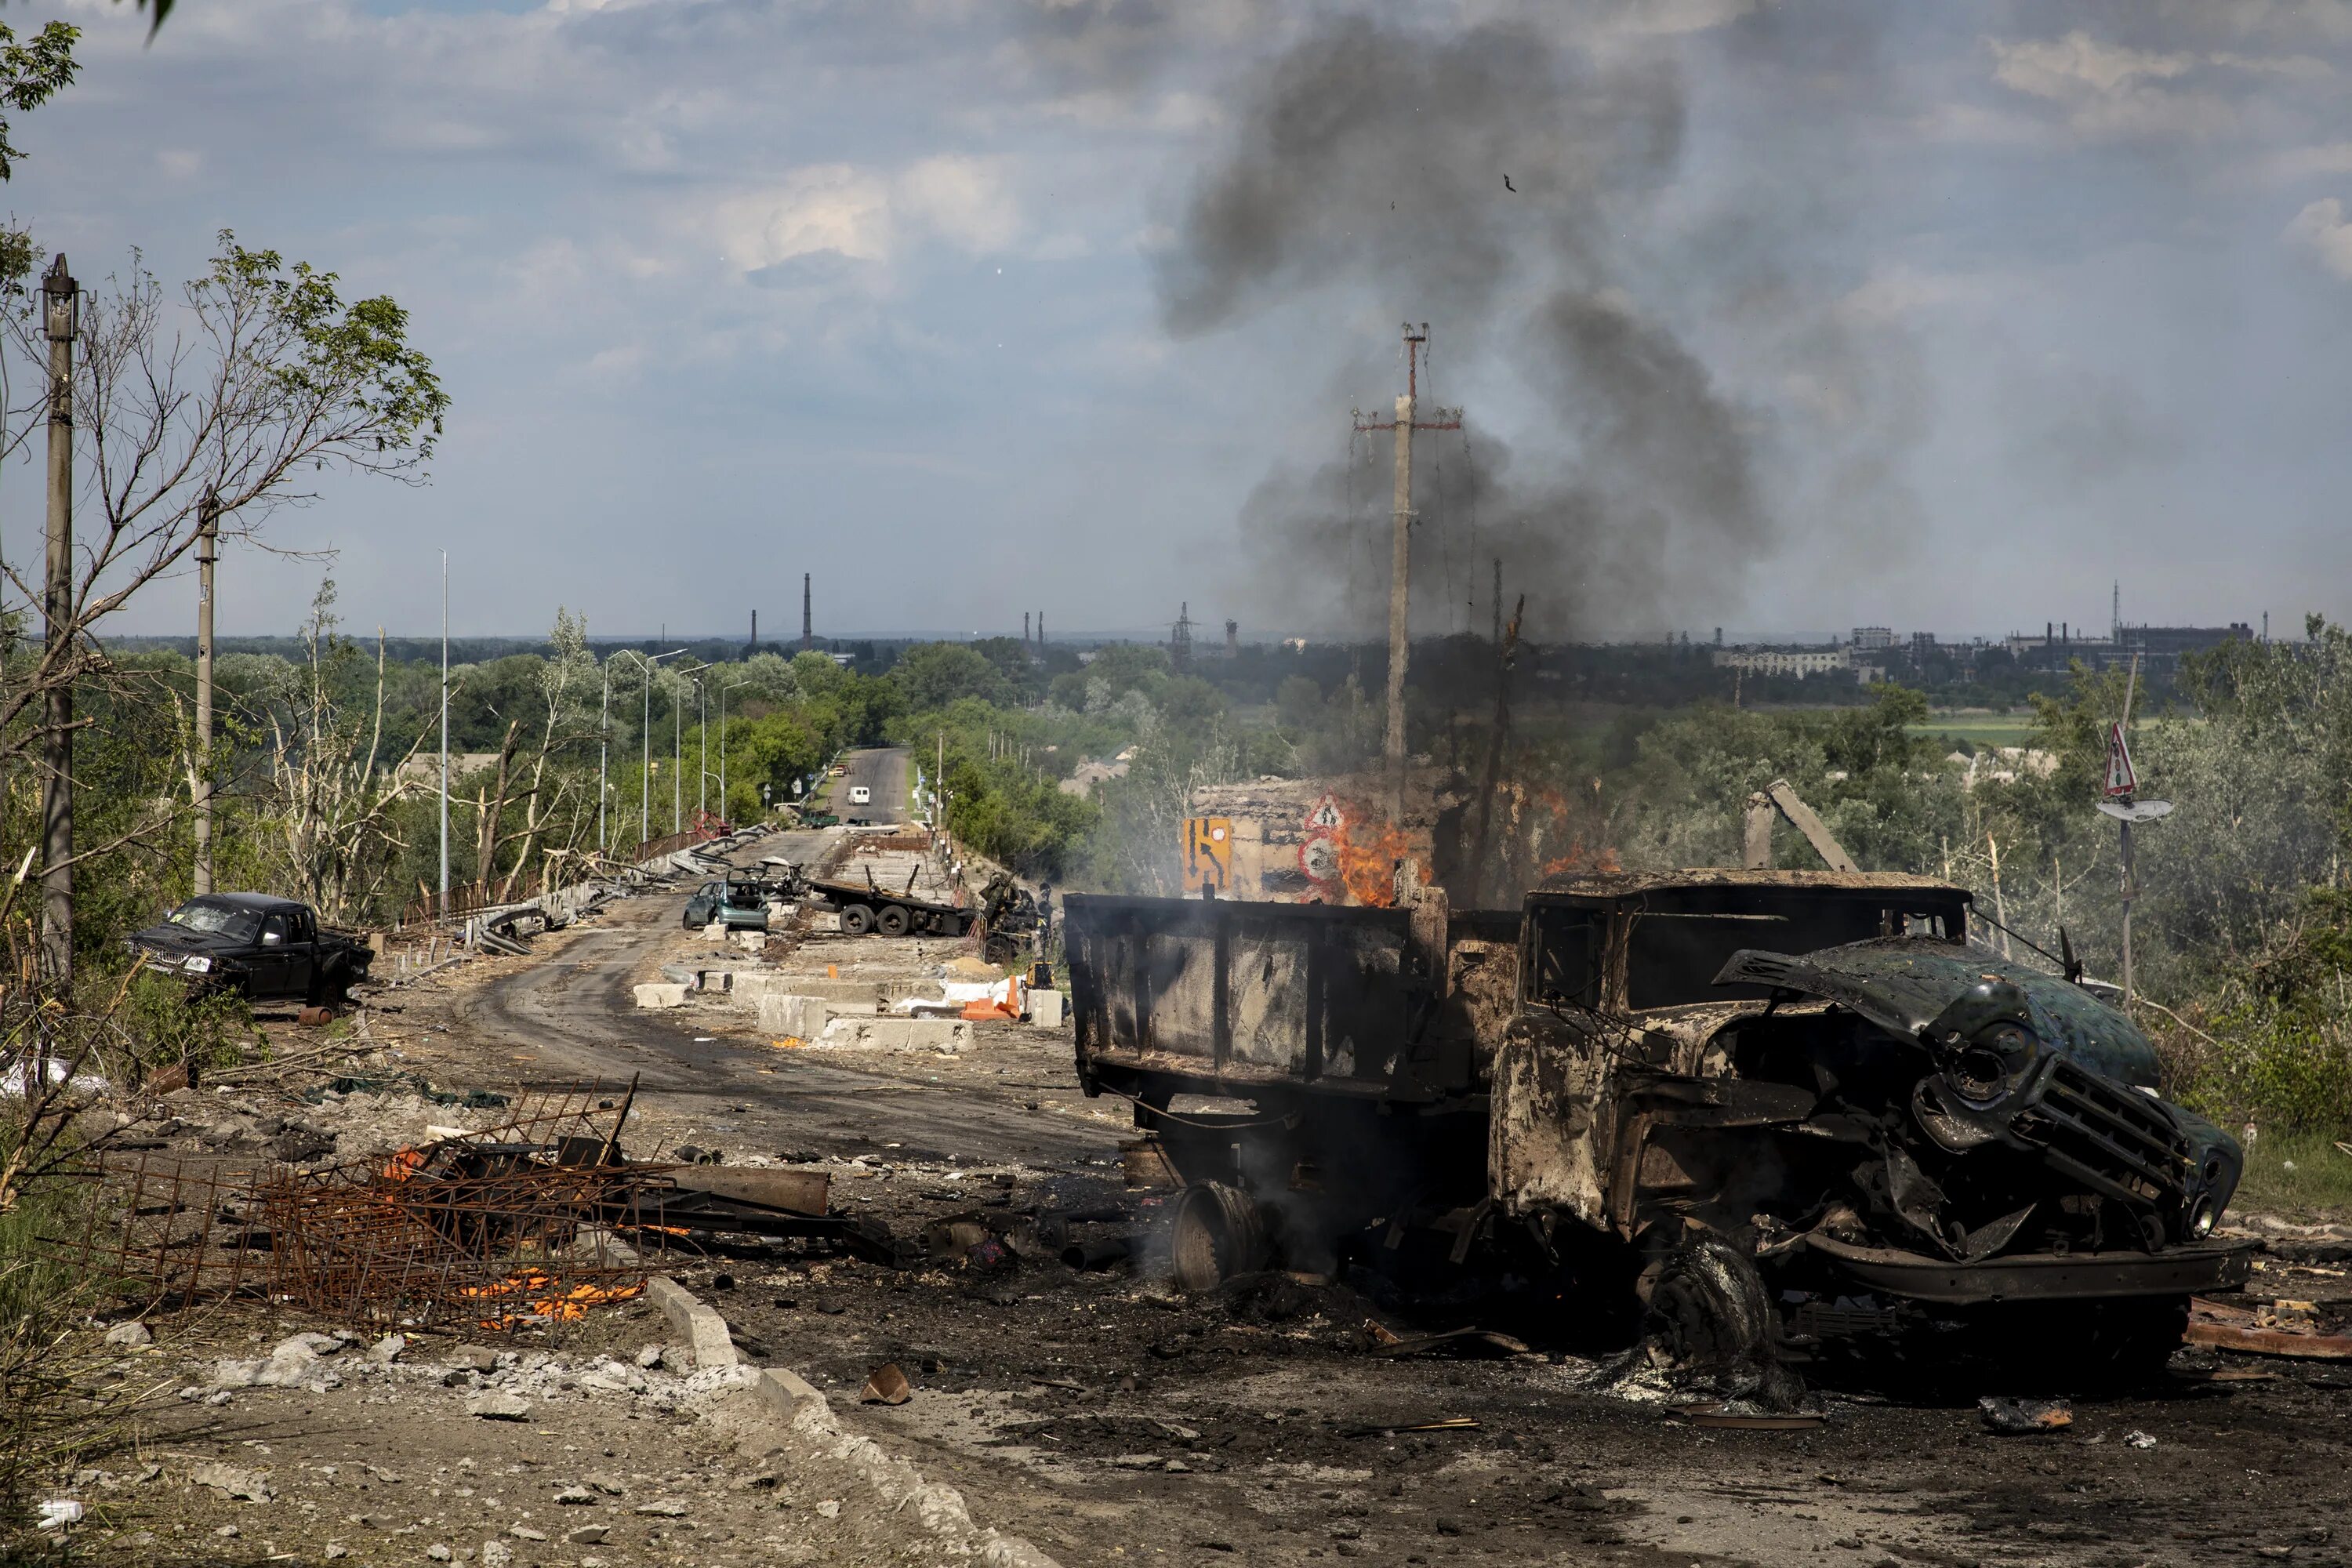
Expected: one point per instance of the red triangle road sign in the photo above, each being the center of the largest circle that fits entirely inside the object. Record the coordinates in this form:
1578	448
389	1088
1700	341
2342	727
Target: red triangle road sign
2121	780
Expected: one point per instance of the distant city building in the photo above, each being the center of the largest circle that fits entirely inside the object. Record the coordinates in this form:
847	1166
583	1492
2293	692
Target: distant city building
2156	647
1800	662
1873	640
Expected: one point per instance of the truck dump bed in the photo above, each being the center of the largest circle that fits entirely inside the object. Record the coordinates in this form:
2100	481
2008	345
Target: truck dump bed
1224	997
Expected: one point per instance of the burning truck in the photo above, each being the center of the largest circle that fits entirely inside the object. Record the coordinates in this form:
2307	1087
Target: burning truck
1759	1117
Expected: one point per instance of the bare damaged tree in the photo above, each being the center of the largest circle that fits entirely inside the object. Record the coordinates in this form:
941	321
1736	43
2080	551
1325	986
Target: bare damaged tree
564	680
261	376
334	794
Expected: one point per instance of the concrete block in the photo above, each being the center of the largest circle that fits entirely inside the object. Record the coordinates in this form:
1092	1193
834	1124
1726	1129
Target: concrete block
787	1393
703	1329
664	994
899	1033
799	1017
1045	1009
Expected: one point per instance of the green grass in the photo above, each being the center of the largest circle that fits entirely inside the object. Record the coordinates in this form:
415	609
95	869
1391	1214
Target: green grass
2320	1185
1981	728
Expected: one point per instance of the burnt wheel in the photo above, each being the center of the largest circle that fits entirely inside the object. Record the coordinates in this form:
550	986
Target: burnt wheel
893	921
857	919
999	949
330	986
1710	1316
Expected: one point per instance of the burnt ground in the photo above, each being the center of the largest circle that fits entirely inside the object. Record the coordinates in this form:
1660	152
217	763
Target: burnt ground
1112	1420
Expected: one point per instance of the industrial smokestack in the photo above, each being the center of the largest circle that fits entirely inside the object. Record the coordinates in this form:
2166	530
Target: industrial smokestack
755	631
1232	639
808	635
1025	628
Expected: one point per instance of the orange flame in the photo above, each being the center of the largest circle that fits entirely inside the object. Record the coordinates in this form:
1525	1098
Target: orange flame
543	1305
1578	858
1369	848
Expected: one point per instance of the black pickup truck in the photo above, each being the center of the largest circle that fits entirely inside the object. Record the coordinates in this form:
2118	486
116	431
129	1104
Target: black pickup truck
267	949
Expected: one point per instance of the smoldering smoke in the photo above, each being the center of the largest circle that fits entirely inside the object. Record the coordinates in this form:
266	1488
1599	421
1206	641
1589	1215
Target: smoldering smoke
1370	156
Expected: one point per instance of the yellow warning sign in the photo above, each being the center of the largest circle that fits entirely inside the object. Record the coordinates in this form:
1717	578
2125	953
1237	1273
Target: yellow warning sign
1207	853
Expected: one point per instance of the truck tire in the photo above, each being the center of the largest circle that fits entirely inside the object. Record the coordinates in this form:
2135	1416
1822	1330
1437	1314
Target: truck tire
893	920
999	949
1218	1232
857	919
1710	1317
332	985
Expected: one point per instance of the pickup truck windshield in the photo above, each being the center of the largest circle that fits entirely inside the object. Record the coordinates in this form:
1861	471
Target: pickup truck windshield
216	920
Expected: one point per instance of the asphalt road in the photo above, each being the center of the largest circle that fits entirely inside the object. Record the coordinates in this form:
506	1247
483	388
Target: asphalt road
885	772
576	1018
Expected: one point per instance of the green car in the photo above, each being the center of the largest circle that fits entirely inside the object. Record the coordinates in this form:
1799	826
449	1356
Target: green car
726	903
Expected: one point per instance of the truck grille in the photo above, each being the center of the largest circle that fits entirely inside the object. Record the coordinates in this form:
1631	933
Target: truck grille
2111	1132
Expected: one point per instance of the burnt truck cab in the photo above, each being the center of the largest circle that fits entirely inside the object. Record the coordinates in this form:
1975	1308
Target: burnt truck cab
1817	1071
1803	1101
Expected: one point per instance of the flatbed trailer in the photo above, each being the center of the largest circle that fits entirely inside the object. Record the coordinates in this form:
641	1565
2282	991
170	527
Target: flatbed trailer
870	907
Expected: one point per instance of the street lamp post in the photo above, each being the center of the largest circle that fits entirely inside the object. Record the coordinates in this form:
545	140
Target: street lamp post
722	745
645	735
702	735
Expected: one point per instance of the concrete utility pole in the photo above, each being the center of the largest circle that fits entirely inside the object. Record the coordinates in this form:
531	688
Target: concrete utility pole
1400	548
63	298
207	552
604	745
445	733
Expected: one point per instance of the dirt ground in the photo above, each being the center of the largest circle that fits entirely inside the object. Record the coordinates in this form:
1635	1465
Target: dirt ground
1101	1415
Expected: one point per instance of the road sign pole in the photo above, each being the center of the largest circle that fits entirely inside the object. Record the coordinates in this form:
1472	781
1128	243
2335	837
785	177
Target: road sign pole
2130	892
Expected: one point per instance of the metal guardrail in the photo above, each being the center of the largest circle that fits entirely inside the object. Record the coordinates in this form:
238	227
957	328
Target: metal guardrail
472	896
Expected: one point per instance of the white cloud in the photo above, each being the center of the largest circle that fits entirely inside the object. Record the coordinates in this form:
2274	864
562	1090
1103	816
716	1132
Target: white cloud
965	201
2320	228
2113	91
826	208
2062	69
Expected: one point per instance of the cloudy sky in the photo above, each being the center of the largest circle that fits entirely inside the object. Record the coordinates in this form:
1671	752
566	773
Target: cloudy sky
1797	315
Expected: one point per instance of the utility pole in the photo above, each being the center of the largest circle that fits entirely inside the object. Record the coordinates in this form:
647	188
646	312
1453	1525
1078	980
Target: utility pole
702	735
1400	548
722	748
604	746
1498	602
207	552
63	297
445	733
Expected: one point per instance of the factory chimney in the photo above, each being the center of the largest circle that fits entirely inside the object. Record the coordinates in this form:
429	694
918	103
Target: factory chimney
808	636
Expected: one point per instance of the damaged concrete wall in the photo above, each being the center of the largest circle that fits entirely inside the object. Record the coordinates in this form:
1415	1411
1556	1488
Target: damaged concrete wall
1327	840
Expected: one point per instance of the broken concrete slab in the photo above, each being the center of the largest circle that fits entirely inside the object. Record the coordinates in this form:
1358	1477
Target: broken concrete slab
898	1034
794	1016
661	995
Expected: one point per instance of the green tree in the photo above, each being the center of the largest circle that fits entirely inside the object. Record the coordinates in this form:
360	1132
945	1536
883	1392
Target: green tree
933	675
